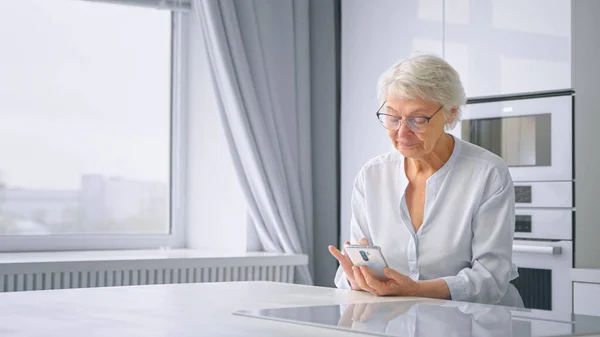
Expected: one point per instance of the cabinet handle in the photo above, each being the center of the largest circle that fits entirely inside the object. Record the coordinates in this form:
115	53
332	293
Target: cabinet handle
546	250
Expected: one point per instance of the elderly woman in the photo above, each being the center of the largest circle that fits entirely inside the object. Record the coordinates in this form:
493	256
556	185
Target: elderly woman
441	209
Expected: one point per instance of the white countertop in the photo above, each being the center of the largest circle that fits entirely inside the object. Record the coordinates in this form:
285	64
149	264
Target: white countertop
200	309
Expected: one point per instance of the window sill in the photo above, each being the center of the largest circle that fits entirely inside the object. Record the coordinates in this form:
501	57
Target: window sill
200	257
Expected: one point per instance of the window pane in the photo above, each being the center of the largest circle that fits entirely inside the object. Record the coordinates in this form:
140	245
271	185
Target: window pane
85	91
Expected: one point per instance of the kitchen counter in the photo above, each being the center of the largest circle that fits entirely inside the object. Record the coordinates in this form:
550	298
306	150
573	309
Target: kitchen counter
590	275
207	309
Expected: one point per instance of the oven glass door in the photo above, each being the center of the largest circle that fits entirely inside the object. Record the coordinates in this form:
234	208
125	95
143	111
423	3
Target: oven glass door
519	140
533	136
535	287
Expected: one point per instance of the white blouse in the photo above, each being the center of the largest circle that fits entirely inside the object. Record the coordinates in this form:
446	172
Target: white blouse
468	226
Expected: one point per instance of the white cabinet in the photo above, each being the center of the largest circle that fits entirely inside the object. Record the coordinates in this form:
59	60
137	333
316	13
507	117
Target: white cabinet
509	46
498	47
586	298
376	34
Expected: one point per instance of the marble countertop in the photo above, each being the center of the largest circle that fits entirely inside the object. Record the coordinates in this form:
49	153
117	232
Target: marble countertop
207	309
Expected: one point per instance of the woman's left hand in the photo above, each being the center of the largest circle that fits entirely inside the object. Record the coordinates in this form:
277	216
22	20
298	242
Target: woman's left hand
398	284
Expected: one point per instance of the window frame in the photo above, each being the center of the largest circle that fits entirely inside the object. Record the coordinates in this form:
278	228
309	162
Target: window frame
177	200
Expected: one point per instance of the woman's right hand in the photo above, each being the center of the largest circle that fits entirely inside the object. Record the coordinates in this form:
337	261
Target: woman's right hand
346	263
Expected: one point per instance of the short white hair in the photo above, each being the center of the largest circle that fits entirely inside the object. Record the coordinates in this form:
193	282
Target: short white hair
427	77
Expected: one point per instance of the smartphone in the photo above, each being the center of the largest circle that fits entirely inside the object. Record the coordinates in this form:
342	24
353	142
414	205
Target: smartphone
370	256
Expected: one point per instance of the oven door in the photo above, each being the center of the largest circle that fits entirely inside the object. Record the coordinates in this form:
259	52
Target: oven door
544	274
534	136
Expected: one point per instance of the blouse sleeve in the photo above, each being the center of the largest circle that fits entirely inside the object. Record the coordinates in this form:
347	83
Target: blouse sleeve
487	279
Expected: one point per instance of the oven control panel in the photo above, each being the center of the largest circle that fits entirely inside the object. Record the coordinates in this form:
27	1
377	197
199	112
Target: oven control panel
523	194
523	223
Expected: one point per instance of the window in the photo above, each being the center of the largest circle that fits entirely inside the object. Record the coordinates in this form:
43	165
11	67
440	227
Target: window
87	124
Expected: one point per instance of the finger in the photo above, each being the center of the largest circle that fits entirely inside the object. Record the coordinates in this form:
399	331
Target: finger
347	243
372	281
336	253
363	242
342	258
392	274
346	265
358	311
400	284
360	280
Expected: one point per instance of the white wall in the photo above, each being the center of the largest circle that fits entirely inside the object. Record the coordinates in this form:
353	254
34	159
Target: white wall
216	214
373	38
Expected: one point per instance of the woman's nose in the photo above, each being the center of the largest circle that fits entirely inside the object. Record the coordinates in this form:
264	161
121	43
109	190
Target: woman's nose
404	130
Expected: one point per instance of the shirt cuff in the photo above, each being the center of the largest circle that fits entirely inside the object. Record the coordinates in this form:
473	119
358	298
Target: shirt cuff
457	286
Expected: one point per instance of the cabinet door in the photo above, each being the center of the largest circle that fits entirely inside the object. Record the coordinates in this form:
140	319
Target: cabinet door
375	35
586	298
509	46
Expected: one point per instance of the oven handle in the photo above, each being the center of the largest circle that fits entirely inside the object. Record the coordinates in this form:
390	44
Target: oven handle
546	250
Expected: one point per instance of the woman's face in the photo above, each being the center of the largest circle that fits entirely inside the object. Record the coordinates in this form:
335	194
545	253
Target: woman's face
425	133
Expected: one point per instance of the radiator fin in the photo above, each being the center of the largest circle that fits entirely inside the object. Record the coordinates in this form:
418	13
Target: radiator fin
68	279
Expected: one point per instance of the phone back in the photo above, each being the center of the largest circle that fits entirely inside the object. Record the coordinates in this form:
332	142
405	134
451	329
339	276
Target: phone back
369	256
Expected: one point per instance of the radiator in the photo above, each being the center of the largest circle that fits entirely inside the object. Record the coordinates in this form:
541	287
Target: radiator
82	273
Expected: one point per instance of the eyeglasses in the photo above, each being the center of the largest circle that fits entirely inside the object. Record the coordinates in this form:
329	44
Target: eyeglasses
417	124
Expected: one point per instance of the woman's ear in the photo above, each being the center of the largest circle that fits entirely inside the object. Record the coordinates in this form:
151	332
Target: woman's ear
451	116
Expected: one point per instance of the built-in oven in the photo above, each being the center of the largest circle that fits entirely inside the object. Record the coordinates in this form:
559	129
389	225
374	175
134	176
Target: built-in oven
533	133
543	252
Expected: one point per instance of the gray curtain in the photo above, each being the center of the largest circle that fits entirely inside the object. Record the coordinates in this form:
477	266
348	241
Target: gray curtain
259	57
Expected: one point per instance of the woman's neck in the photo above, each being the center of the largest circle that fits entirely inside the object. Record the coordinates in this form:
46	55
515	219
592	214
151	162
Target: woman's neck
429	164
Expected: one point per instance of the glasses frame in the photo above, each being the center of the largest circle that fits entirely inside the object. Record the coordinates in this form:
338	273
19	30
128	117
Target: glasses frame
377	114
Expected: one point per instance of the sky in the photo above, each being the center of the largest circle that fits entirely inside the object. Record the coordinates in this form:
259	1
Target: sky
84	89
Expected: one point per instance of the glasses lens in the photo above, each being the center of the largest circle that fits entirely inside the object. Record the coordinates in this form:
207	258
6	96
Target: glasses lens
389	122
417	124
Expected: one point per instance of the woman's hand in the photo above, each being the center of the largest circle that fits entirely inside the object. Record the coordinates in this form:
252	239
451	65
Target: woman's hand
347	264
398	284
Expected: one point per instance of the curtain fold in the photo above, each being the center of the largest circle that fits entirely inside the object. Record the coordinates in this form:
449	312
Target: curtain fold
258	50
